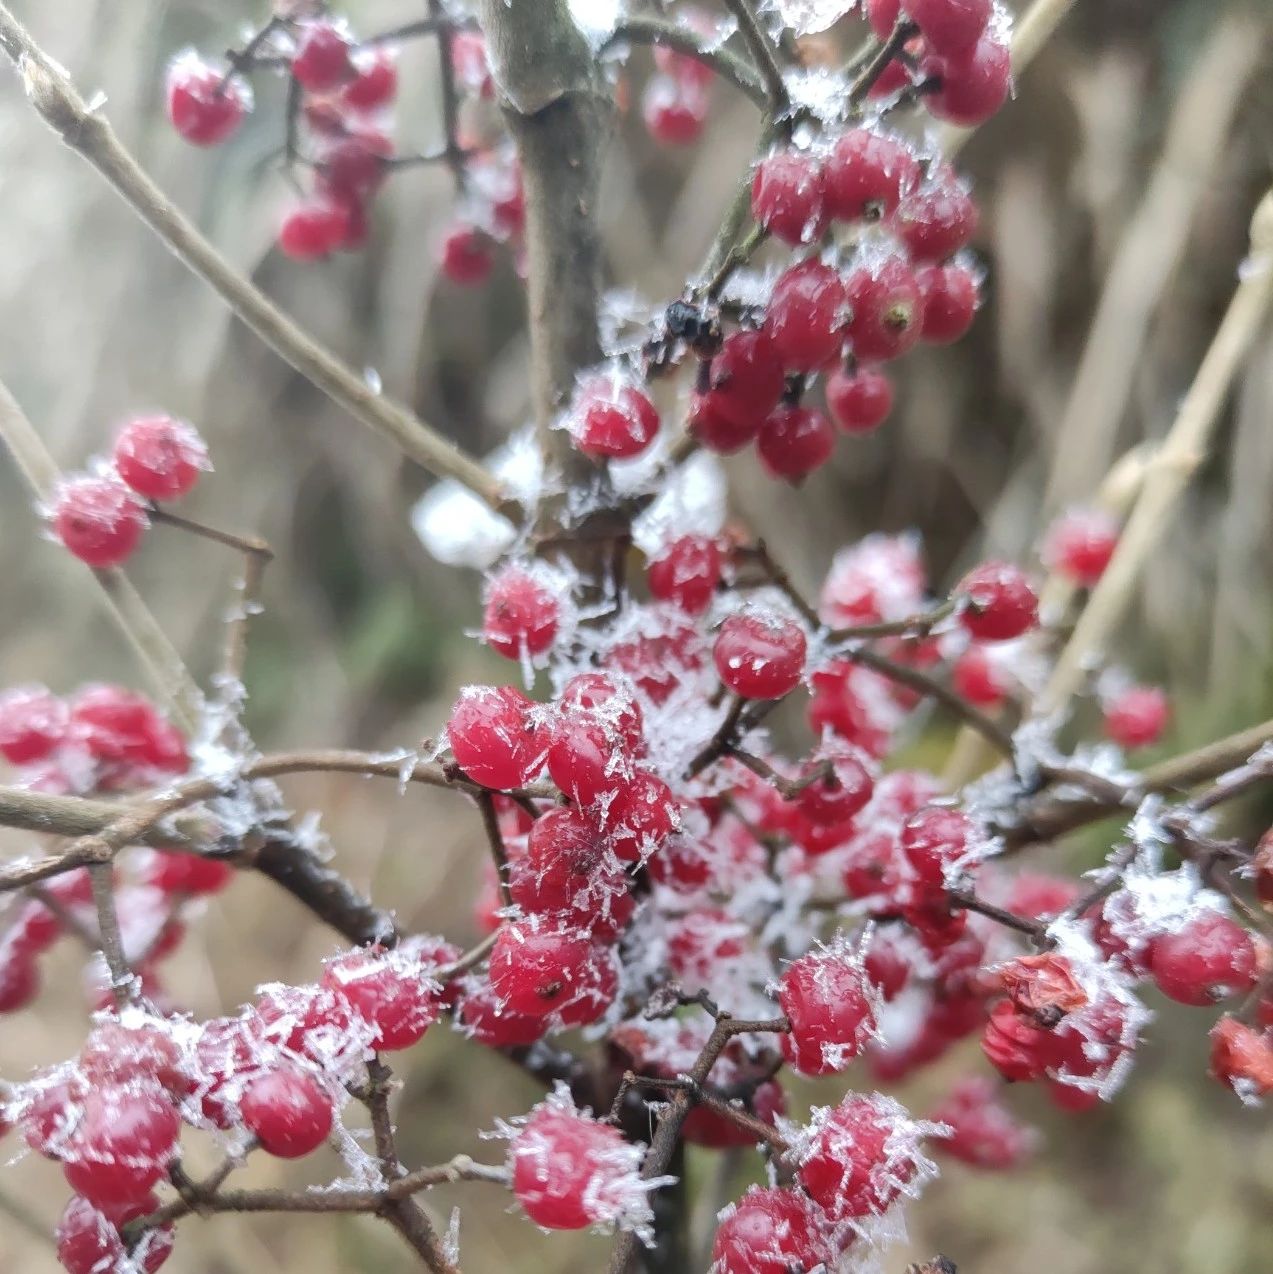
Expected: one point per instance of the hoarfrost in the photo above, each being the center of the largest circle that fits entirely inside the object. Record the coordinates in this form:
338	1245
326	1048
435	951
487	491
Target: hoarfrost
807	17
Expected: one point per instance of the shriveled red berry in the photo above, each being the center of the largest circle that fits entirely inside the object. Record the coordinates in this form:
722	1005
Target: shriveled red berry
885	310
866	175
674	110
936	220
392	995
521	614
997	602
1080	543
202	108
122	1143
99	520
950	26
972	86
949	296
288	1111
324	57
831	1006
33	722
159	457
760	654
686	572
746	381
1014	1046
859	401
314	229
794	441
1242	1058
787	196
806	315
980	680
611	418
1209	959
538	968
467	256
492	737
1137	716
375	82
769	1231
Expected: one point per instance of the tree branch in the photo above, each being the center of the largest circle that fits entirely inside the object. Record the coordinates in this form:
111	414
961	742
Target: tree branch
671	35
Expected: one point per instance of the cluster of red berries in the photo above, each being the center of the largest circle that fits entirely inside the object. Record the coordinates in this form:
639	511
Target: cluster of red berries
100	517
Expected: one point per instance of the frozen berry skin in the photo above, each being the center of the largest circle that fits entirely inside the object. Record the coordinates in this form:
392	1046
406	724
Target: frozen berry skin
467	256
859	401
641	817
866	175
492	738
760	655
841	791
324	57
536	969
938	219
122	1144
806	316
200	108
885	308
89	1242
33	721
588	759
972	87
521	615
98	520
830	1005
314	230
933	842
160	458
746	381
950	26
794	441
119	1054
769	1231
394	999
611	702
949	296
674	111
787	197
485	1017
978	679
716	431
375	81
1212	958
686	573
288	1111
1080	544
1136	717
997	602
612	419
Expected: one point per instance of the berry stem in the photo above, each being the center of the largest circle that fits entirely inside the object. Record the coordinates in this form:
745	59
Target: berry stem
495	841
879	63
123	984
763	53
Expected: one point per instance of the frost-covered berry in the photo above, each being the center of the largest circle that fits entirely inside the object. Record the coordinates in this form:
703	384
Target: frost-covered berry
982	1131
971	86
686	572
1209	959
760	654
832	1007
521	614
787	195
885	310
949	297
353	168
1242	1058
118	1054
769	1231
611	418
1136	716
674	110
537	968
794	441
122	1143
806	315
467	255
324	57
842	789
746	382
1080	543
1014	1046
99	520
201	108
979	678
492	737
608	700
33	722
159	457
997	602
570	1171
866	175
314	229
375	81
119	727
950	26
643	814
392	995
935	843
88	1238
937	219
288	1111
859	401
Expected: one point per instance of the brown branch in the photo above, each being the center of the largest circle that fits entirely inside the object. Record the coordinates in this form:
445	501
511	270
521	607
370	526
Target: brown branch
111	943
763	52
671	35
965	900
778	576
722	741
879	63
495	841
912	626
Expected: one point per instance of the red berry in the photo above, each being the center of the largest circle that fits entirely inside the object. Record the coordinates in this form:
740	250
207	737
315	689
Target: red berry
936	843
829	1002
492	737
787	197
611	418
610	702
979	679
686	572
642	816
1242	1058
472	69
759	654
563	862
375	82
392	995
159	457
33	722
997	602
806	316
1080	543
588	758
714	430
1014	1046
353	168
794	441
844	789
89	1242
467	256
538	968
122	1143
1210	959
972	85
883	15
885	310
859	401
1136	717
324	57
98	520
288	1111
949	295
199	107
674	110
746	382
982	1132
936	220
115	1054
484	1016
866	175
181	873
950	26
769	1231
313	230
117	726
521	615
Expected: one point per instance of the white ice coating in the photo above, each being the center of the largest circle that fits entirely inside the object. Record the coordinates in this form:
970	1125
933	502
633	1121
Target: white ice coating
808	17
693	501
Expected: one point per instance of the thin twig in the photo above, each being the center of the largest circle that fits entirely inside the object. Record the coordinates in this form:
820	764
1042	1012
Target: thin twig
763	52
123	984
495	840
879	63
671	35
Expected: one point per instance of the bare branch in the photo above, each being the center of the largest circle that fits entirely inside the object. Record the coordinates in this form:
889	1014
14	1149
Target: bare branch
671	35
